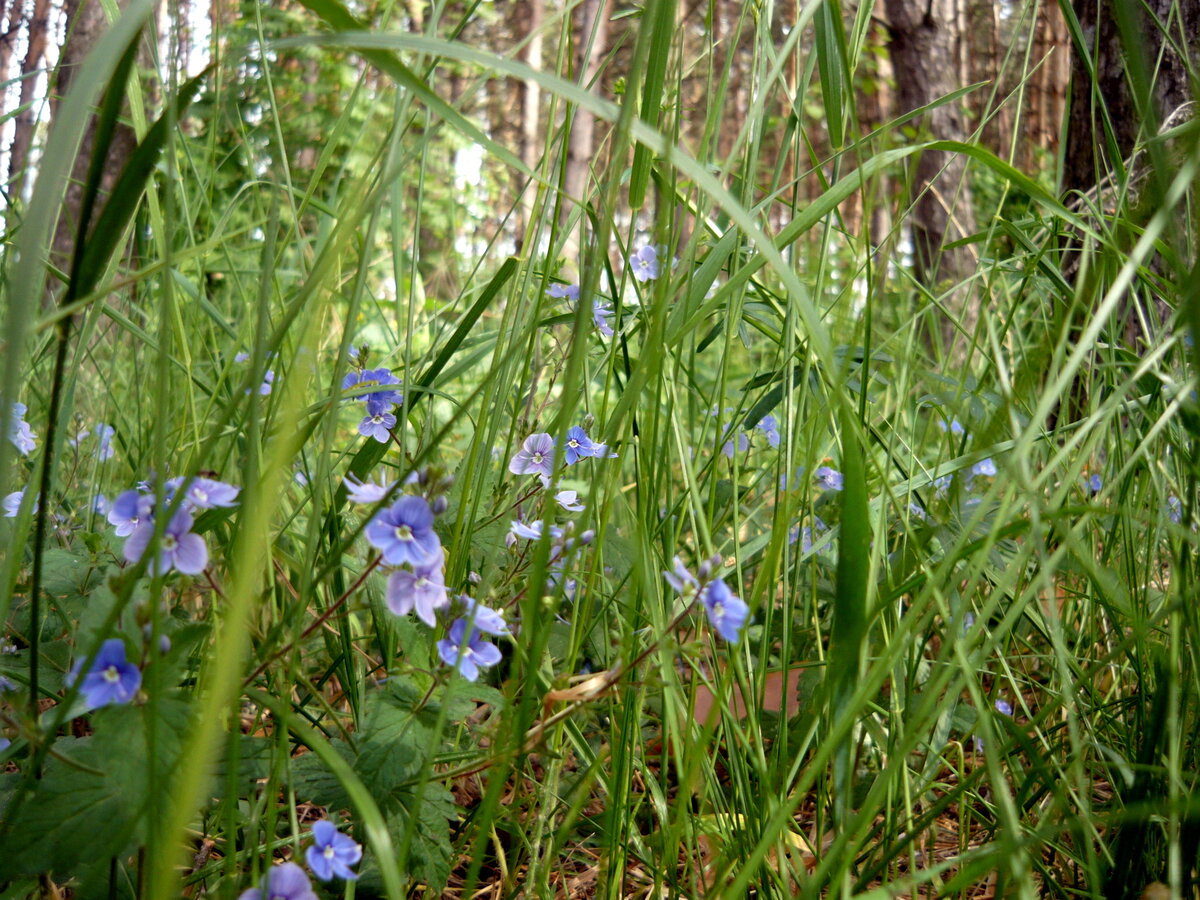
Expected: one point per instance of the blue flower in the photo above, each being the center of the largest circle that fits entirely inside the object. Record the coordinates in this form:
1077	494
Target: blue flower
19	432
644	263
770	427
204	493
268	380
601	313
332	853
178	548
467	651
955	427
423	589
680	579
484	618
536	456
284	882
1004	708
111	679
569	500
12	503
378	425
366	492
564	291
743	444
530	531
580	445
381	401
941	485
1094	484
1174	509
828	478
129	510
984	467
726	611
404	533
105	433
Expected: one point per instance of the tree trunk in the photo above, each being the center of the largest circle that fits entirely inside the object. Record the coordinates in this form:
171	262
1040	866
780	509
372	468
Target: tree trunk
86	22
1089	157
18	152
591	39
531	116
927	59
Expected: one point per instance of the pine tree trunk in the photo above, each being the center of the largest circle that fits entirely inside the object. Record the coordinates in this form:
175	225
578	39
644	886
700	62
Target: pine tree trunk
1088	152
23	124
926	51
591	41
85	24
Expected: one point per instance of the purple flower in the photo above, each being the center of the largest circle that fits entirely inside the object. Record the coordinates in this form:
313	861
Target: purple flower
601	312
178	548
984	467
569	500
580	445
111	679
743	444
1094	484
332	853
204	493
105	433
483	618
366	492
530	532
770	427
941	485
564	291
129	510
378	425
955	426
19	432
12	503
536	456
268	381
284	882
404	533
423	589
377	401
726	612
679	578
1004	708
467	651
1174	509
644	263
830	479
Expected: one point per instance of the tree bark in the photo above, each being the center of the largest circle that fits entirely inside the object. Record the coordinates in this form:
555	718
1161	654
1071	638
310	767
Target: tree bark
23	124
1089	158
86	22
926	49
591	39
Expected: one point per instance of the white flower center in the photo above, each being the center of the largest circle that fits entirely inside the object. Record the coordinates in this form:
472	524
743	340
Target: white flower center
169	543
111	675
329	852
199	496
404	533
537	458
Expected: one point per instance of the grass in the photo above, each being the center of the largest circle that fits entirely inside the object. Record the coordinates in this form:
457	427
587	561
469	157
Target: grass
863	746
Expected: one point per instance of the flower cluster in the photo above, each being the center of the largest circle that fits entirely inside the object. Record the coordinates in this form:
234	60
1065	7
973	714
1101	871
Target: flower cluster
133	512
19	432
403	533
536	456
727	613
379	420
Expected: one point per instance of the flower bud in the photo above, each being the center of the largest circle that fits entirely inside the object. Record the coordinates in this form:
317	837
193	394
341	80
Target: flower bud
439	505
